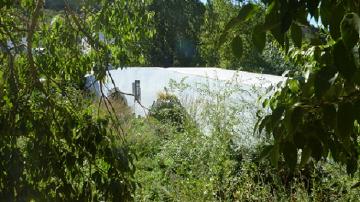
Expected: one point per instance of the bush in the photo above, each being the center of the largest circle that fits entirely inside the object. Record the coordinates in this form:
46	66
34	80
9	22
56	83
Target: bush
189	165
168	110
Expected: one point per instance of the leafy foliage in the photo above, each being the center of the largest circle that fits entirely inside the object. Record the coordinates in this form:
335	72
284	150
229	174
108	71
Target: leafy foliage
60	4
177	24
314	114
168	110
193	166
223	22
53	146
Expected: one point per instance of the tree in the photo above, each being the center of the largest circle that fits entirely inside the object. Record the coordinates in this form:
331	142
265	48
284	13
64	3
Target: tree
53	145
177	24
218	13
316	113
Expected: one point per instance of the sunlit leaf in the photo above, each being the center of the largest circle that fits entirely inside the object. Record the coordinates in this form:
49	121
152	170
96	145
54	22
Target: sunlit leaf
294	85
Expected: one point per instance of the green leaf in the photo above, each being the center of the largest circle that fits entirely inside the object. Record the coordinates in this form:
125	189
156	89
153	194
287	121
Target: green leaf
264	123
325	12
245	13
316	147
301	15
278	35
259	37
296	34
349	29
293	85
272	16
297	116
276	116
290	155
287	44
312	6
322	80
266	103
237	46
222	38
343	60
356	185
345	120
286	21
265	152
325	138
274	22
317	54
96	177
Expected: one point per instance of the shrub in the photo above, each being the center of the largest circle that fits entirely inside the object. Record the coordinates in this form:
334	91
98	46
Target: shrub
189	165
168	110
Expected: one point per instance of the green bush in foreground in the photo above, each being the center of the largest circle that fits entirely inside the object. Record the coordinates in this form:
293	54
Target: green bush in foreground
217	165
191	166
315	114
53	147
168	110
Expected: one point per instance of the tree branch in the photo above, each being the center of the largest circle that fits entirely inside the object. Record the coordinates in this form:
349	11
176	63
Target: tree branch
30	36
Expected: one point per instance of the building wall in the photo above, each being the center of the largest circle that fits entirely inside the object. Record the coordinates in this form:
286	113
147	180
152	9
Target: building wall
154	80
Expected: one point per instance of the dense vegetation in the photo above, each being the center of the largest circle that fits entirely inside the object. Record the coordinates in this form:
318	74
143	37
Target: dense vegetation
189	165
186	32
177	24
315	114
60	143
54	145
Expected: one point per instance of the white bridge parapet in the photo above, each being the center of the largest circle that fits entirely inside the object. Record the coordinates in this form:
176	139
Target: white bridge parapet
155	79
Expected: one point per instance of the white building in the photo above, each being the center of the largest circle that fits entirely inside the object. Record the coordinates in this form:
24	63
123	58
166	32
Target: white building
155	79
204	92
